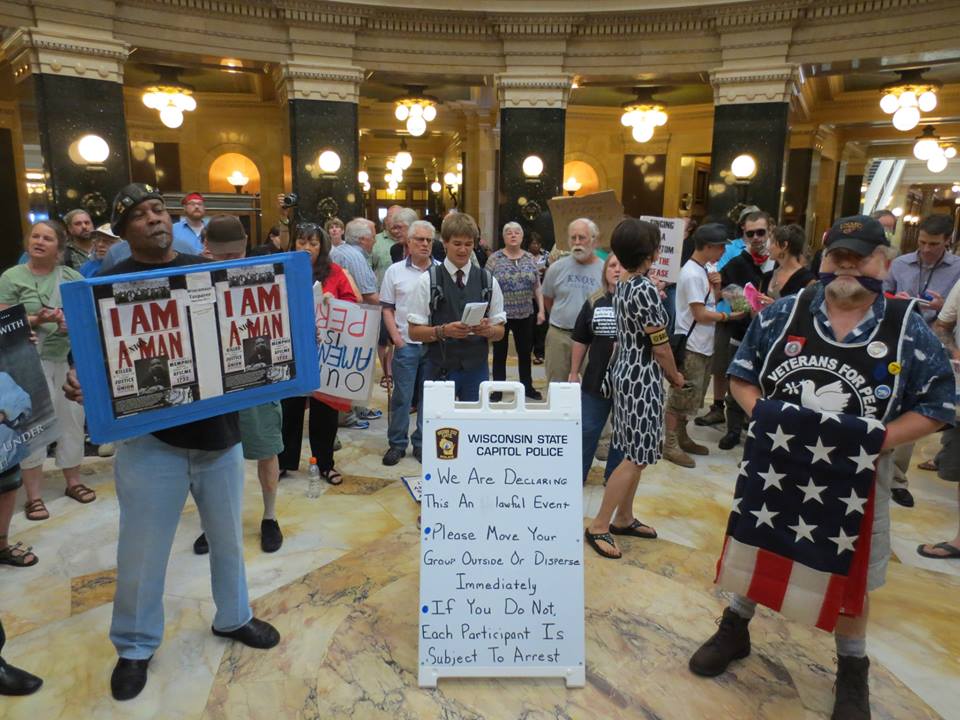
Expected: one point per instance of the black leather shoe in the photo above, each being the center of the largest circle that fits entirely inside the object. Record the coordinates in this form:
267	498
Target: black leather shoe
200	545
533	394
270	536
730	440
902	496
256	634
496	397
14	681
129	678
418	454
393	455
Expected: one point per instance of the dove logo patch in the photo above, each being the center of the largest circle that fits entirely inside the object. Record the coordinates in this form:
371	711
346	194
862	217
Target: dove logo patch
822	391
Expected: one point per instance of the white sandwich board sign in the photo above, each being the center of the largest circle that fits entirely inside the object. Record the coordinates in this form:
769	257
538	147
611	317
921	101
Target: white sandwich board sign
501	549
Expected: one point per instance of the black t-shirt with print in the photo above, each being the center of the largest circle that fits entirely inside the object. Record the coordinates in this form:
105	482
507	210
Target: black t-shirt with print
596	327
215	433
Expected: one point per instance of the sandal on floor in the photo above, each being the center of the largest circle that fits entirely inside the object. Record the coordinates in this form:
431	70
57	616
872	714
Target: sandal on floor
635	529
386	382
952	552
370	414
538	361
605	537
81	493
36	510
332	477
17	555
928	465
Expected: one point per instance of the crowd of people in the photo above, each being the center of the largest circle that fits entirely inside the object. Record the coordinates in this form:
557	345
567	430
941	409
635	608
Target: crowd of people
644	353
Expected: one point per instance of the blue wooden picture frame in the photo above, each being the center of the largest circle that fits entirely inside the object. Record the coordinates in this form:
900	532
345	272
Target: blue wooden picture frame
90	359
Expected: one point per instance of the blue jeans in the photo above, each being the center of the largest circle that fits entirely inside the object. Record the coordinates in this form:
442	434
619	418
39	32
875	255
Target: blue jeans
670	305
153	480
466	383
594	411
408	362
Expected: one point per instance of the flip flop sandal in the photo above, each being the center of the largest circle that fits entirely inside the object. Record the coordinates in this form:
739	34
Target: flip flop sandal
36	510
635	529
81	493
332	477
952	552
928	465
605	537
17	555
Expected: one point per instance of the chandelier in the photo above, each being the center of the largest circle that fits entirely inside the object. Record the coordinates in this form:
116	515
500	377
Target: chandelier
416	109
170	97
906	98
403	158
928	148
643	115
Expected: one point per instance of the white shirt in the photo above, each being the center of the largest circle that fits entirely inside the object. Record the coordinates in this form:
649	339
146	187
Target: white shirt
399	281
418	305
692	287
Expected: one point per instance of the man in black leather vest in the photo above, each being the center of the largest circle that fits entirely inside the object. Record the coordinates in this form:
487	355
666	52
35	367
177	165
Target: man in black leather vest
456	351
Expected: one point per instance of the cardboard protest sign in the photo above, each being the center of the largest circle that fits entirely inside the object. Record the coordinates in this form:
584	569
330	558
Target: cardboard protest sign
347	336
667	267
602	207
27	420
171	346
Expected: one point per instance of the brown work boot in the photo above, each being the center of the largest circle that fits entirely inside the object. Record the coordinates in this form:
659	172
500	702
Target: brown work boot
730	642
715	416
687	443
852	693
673	453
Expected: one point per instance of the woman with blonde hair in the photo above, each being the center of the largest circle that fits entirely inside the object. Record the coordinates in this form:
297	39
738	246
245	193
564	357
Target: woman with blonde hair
36	284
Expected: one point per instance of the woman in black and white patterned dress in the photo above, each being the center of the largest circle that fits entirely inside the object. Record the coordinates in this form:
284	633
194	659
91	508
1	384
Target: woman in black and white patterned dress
636	383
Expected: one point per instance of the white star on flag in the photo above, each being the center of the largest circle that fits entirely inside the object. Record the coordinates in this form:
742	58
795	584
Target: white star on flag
863	461
780	439
872	424
764	516
827	415
743	467
854	503
803	530
736	505
750	429
844	541
790	406
820	452
811	491
772	479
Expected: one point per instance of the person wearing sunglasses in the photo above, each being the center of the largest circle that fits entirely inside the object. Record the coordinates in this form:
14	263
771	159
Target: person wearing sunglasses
747	267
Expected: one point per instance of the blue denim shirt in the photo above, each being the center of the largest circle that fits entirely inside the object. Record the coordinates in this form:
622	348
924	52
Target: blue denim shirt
187	237
929	384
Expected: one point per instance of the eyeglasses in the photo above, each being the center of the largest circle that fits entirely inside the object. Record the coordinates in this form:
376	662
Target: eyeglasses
759	232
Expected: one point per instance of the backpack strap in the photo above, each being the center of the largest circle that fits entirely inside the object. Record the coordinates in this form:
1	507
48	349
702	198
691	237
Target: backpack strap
486	285
436	292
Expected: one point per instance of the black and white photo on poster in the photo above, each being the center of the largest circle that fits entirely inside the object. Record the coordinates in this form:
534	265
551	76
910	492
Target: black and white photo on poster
255	338
27	419
148	344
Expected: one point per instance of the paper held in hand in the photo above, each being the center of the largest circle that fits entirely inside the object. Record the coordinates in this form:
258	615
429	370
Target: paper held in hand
473	313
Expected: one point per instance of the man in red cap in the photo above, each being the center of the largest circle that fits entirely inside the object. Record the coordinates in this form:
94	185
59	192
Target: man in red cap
189	228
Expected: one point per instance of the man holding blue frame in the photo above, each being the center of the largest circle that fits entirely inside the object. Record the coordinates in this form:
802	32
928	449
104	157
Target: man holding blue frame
154	473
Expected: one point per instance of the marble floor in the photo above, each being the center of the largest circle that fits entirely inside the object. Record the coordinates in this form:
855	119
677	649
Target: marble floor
343	593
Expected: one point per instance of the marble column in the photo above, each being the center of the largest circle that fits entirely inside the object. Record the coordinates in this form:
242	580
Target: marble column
751	109
532	120
322	103
69	89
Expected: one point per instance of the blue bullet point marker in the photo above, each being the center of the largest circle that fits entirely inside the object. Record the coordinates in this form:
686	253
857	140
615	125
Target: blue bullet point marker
426	531
425	609
427	476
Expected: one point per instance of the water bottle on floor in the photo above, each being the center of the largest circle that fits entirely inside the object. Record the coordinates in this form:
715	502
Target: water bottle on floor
313	479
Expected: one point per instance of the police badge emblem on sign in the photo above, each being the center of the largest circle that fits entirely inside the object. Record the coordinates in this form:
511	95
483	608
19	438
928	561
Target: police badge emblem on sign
448	440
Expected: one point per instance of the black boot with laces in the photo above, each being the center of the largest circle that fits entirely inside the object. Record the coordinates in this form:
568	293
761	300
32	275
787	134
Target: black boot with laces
852	693
730	642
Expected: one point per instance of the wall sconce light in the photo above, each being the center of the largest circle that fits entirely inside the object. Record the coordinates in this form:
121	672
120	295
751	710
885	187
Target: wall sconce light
452	181
743	167
572	185
363	178
238	180
329	162
93	149
532	167
435	186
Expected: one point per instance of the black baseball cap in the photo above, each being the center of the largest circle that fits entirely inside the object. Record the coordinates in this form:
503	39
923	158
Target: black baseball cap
861	234
127	199
710	234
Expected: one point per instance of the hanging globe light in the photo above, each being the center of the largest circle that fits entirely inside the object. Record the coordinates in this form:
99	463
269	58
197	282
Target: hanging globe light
889	103
906	118
170	97
402	112
403	159
171	116
927	102
416	109
937	163
643	115
416	125
908	97
927	144
642	133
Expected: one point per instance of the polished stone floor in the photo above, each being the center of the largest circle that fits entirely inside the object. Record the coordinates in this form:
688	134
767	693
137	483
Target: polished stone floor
343	592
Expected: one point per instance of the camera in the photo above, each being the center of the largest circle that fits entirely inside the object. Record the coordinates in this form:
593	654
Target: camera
290	200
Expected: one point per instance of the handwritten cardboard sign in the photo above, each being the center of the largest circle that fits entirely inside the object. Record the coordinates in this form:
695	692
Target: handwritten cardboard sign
602	207
347	336
667	267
